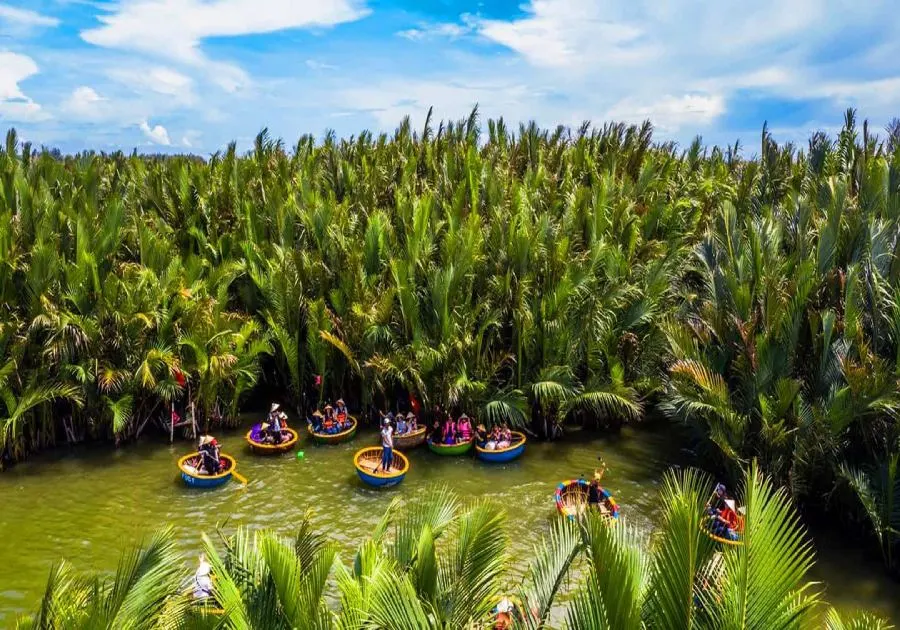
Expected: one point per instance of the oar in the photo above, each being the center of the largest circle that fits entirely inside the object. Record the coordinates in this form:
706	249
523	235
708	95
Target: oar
239	477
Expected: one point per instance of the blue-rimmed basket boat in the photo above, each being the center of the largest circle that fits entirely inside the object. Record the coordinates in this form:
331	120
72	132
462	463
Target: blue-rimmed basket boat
262	448
334	438
501	455
460	448
411	439
571	499
368	460
196	480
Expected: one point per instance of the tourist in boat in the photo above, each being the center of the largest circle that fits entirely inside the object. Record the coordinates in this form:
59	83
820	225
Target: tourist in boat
464	429
341	410
503	614
505	437
493	439
481	435
449	435
277	421
437	432
317	421
402	427
203	580
595	493
717	501
209	455
330	423
412	424
725	522
387	446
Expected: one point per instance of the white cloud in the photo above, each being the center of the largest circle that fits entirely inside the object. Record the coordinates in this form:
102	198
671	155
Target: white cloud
671	113
312	64
157	134
389	101
84	103
157	79
176	28
425	31
15	105
190	138
15	18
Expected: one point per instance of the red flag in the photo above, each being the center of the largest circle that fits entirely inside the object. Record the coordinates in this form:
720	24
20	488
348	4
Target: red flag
175	417
179	376
318	380
414	404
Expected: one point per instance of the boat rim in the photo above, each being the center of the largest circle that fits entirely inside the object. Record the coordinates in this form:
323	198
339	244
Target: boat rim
283	445
380	475
333	435
415	433
440	445
220	475
719	539
511	447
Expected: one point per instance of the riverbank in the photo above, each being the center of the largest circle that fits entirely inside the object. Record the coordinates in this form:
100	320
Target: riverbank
85	504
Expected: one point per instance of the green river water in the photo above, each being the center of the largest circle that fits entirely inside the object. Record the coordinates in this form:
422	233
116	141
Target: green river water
88	504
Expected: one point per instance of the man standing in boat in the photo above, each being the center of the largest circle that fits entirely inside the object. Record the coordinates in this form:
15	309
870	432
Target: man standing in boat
387	446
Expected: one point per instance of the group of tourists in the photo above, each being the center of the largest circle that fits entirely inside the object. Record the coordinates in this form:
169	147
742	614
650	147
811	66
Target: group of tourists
273	430
401	424
335	419
722	513
450	431
499	437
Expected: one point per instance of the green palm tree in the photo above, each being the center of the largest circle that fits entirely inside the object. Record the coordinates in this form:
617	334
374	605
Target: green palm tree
437	562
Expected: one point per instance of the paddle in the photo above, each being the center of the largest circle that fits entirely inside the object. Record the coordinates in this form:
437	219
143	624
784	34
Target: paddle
239	477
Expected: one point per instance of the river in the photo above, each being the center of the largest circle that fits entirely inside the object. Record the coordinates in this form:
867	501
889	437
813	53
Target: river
86	504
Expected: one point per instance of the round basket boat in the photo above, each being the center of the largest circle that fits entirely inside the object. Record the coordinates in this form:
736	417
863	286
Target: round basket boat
460	448
367	461
500	455
196	480
572	500
262	448
411	439
704	527
334	438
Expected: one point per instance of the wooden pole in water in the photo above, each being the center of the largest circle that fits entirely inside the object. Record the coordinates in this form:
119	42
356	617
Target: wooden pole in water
172	424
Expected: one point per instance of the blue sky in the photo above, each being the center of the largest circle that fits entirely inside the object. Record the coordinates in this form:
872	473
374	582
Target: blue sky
192	75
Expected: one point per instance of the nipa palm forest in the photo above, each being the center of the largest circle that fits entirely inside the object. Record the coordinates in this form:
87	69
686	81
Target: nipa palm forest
750	295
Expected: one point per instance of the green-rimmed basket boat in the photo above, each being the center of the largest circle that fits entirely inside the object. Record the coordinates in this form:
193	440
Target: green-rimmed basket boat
451	449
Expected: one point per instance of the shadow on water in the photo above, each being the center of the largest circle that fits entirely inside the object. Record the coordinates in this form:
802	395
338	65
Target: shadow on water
87	503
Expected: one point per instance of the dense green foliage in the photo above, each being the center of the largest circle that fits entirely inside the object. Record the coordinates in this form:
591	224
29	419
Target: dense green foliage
585	276
437	563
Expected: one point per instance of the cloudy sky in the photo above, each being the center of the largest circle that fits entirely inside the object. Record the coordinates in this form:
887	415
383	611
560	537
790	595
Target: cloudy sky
191	75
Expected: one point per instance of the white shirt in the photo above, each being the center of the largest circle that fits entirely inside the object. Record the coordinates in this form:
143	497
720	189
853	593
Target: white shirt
387	437
202	581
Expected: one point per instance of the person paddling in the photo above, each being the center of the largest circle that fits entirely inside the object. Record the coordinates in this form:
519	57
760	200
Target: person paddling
203	580
387	447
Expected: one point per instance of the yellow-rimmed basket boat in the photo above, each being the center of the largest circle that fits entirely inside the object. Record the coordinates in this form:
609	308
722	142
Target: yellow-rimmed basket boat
411	439
367	462
188	465
262	448
334	438
704	527
501	455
